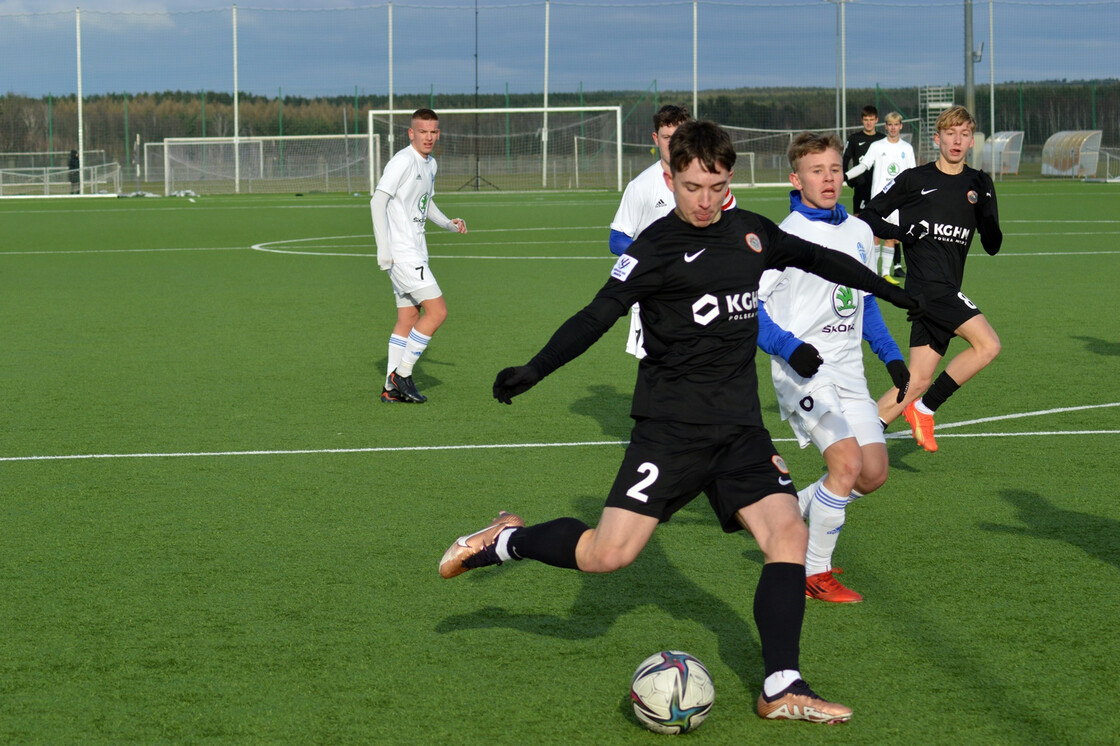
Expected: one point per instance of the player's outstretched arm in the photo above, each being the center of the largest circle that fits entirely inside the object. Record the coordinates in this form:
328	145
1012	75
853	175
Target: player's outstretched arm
571	340
776	341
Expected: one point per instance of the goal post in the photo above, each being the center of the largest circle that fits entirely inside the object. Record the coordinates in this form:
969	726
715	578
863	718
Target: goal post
265	164
517	148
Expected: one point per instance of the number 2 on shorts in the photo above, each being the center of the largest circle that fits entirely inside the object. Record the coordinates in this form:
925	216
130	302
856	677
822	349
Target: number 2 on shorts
651	471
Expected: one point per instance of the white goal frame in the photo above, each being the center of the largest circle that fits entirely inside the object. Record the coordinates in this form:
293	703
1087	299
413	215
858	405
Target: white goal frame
544	110
259	142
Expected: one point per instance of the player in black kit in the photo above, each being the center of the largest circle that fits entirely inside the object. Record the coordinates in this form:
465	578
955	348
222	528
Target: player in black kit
941	206
698	426
854	149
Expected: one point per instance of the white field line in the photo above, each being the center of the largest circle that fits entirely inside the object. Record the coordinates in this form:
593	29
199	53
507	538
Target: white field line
492	446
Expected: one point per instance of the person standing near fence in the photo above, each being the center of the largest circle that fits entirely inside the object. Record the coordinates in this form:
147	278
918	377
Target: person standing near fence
854	149
75	174
942	206
401	205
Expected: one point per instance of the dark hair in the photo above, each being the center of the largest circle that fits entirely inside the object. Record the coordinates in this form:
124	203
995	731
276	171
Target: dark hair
426	115
669	115
702	140
808	143
869	111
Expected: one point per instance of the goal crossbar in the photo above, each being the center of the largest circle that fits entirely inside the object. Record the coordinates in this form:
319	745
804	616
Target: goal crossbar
396	120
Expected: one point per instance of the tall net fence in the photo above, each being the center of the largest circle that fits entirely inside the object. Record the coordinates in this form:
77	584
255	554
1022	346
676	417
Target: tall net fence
1042	66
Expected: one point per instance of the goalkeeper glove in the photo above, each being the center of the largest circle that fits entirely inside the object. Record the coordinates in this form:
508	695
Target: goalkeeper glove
805	360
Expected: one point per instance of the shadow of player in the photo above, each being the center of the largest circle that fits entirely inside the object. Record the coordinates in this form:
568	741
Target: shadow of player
1095	535
610	407
651	581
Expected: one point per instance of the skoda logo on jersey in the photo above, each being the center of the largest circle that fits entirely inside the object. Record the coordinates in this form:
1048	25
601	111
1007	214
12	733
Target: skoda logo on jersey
892	170
422	206
843	301
738	306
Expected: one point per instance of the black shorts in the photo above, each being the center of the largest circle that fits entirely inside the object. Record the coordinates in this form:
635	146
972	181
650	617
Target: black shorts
944	315
668	464
861	195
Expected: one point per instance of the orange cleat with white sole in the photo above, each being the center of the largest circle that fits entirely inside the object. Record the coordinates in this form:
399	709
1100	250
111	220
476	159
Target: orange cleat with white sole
799	702
921	425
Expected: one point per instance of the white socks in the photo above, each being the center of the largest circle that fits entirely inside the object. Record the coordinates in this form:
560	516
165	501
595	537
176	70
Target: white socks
417	343
396	352
826	518
779	681
887	259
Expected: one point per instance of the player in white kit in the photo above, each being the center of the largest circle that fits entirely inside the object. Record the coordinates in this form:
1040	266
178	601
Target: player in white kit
817	362
886	158
648	198
402	204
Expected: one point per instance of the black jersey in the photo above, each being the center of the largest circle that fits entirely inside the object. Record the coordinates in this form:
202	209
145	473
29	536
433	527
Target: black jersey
854	149
698	294
949	209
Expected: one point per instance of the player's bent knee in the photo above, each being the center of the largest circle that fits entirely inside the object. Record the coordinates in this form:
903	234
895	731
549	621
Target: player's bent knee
606	560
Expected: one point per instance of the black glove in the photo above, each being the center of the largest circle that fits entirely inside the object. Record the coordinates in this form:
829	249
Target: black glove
513	382
805	360
900	377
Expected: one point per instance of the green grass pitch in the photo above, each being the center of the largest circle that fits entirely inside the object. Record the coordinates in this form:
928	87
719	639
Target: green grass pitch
213	532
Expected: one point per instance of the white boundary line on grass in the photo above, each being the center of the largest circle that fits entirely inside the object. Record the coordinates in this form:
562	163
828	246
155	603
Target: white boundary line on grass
492	446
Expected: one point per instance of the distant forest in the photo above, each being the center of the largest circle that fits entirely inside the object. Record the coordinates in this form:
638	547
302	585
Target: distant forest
113	122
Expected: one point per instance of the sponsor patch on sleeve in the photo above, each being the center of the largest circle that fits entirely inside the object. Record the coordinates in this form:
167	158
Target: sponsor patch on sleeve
623	267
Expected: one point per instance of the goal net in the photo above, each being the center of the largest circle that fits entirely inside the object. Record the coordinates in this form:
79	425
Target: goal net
519	149
266	165
55	181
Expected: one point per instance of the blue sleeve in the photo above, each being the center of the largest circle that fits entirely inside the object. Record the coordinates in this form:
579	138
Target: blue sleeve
773	339
876	334
619	242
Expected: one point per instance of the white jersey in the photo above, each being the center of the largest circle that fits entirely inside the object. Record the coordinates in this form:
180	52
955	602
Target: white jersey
887	159
821	313
647	198
410	179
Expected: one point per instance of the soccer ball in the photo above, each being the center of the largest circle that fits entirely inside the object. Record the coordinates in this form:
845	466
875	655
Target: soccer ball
672	692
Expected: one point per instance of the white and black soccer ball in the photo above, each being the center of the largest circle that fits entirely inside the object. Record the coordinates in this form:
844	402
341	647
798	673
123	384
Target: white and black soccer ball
672	692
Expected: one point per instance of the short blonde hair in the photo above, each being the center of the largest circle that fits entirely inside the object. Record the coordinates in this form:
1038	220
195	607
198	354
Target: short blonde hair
954	116
894	116
808	143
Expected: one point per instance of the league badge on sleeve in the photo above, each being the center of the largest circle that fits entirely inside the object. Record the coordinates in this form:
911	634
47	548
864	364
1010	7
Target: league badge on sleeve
623	267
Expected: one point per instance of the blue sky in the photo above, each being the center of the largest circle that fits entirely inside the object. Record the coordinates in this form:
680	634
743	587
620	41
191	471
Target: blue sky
285	46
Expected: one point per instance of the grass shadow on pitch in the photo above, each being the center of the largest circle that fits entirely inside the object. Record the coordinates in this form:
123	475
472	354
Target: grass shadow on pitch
610	407
1099	346
1095	535
651	581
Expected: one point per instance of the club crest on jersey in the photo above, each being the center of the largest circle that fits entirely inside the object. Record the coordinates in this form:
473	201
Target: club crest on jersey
754	242
623	267
973	197
844	301
779	464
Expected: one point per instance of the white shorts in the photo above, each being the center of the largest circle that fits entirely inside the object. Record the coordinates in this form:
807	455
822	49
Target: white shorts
828	415
413	284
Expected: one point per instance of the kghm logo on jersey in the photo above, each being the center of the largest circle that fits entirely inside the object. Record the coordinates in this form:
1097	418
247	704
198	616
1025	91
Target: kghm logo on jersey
738	306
